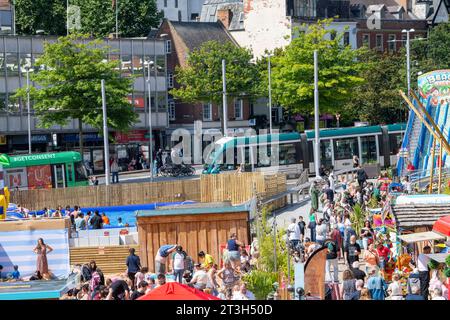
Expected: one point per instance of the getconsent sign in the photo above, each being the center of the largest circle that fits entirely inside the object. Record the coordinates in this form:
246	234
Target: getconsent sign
32	157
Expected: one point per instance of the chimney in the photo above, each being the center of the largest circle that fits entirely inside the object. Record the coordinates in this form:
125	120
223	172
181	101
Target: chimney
225	16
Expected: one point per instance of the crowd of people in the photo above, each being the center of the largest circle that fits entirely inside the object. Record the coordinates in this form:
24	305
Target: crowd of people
370	248
203	273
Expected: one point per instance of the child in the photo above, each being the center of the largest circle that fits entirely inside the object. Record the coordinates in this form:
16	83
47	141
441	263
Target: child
119	222
16	274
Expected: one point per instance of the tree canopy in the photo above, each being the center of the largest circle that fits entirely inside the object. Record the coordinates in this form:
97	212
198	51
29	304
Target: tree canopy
201	79
68	86
136	17
293	70
377	100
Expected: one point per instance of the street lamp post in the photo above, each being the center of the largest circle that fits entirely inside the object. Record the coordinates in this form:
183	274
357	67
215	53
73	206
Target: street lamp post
28	108
316	114
150	151
105	134
224	97
408	70
270	92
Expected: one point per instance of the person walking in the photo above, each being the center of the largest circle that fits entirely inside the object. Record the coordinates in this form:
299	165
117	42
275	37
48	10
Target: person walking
321	232
312	224
133	264
353	251
376	285
114	170
42	250
332	259
314	195
361	175
394	289
293	233
348	285
424	271
371	258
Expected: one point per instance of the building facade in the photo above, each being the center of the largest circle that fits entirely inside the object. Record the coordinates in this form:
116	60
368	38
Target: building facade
180	10
16	53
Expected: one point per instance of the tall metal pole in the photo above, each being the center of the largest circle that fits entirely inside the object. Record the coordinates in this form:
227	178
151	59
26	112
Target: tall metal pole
67	16
275	243
28	108
105	135
117	19
225	112
150	151
316	116
440	168
13	9
430	191
408	70
270	95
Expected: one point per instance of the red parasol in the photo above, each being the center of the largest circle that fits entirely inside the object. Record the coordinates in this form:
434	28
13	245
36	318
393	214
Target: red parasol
176	291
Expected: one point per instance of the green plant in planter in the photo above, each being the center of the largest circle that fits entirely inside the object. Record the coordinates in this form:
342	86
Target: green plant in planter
373	203
260	283
357	218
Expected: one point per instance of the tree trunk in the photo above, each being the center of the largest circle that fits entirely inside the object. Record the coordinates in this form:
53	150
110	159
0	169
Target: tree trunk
80	133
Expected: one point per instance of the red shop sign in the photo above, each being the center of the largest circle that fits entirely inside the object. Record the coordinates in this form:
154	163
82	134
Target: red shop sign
132	136
138	102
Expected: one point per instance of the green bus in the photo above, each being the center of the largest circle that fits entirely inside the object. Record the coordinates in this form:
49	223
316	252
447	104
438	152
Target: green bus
45	170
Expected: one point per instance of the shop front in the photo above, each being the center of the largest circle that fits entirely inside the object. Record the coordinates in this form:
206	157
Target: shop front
19	144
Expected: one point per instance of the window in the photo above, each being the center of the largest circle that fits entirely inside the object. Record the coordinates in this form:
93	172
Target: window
179	16
395	143
25	62
346	38
161	65
171	110
404	37
168	46
391	43
345	148
80	171
165	3
12	64
288	154
170	80
137	65
238	109
207	112
176	3
333	34
379	42
368	149
194	16
366	40
126	65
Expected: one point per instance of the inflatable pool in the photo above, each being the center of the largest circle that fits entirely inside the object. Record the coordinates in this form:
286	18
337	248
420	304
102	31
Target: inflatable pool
127	213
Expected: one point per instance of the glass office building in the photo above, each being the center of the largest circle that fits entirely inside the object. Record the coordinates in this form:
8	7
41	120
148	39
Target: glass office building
19	52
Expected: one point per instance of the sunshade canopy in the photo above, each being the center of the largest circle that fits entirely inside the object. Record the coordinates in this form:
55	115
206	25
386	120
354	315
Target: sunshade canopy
421	236
176	291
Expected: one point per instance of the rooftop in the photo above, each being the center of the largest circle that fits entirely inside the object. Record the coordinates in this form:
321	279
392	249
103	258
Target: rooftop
194	34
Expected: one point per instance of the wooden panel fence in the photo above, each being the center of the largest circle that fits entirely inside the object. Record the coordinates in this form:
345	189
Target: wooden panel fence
112	195
237	188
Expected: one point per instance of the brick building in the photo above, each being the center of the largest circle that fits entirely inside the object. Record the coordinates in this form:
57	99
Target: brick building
182	38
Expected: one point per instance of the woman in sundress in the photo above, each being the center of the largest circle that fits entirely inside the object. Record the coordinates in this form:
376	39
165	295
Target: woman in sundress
42	250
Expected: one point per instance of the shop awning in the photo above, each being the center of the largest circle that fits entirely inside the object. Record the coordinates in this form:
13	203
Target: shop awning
421	236
439	257
442	225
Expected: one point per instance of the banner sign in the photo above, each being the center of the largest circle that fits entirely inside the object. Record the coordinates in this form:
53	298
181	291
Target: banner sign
435	84
16	178
39	177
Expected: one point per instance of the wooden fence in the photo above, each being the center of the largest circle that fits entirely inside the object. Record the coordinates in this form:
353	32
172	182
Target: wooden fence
237	188
112	195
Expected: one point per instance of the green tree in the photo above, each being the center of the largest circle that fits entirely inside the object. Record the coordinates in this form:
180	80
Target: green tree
293	70
68	87
136	17
34	15
201	79
377	100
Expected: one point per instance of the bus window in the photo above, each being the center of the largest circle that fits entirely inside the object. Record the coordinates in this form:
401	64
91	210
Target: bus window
369	149
80	172
69	173
325	153
345	148
395	143
287	154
